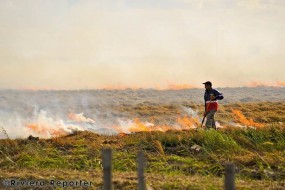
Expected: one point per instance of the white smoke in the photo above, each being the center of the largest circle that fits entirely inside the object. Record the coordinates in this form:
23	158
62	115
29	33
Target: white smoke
80	118
191	112
47	127
47	113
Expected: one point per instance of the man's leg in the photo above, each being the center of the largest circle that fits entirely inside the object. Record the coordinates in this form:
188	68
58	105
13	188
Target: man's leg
210	123
213	121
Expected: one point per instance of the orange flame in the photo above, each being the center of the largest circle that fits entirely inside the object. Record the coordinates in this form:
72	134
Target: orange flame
187	122
259	84
47	127
239	117
45	130
139	126
122	134
266	84
280	83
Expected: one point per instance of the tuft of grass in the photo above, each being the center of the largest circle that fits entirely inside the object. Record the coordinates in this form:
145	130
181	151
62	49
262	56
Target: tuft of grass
158	146
5	132
217	141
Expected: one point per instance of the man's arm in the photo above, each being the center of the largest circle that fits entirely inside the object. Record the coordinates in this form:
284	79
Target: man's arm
218	95
205	101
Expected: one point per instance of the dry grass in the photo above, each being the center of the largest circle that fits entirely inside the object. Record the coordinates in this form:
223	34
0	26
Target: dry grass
262	112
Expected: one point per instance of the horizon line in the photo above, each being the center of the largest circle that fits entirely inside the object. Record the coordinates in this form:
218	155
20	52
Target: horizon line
130	88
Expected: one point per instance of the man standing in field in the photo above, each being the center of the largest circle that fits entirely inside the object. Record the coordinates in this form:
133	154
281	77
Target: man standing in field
211	98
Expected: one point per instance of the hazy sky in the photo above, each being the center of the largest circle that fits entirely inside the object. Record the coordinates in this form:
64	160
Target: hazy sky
75	44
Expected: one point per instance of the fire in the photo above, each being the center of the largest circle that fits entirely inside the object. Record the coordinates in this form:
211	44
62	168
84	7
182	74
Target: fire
46	130
139	126
266	84
243	120
46	127
259	84
80	118
188	122
183	123
122	134
281	84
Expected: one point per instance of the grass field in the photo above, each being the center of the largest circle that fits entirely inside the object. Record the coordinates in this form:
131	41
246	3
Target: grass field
191	159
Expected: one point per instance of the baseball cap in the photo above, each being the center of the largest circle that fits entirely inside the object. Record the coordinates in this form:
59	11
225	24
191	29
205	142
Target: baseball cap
208	83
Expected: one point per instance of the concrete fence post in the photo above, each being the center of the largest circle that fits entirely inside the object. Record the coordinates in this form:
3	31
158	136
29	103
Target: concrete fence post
141	179
230	176
107	169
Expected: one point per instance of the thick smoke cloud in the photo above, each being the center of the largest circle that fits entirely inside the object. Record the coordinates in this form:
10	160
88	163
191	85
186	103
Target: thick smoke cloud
93	44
